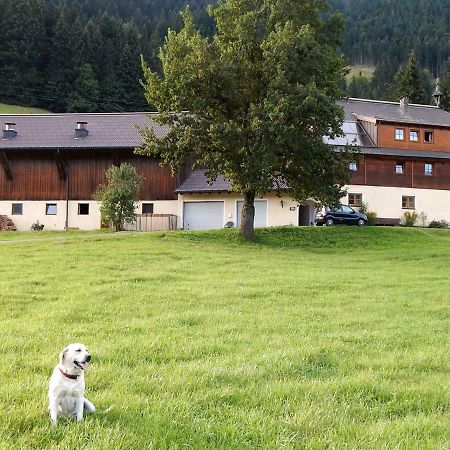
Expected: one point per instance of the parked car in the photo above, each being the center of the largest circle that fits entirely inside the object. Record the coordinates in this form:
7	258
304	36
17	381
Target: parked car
342	214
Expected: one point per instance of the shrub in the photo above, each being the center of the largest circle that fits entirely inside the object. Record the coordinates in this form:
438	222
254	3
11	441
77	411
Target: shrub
409	219
371	215
423	219
371	218
118	197
364	208
438	224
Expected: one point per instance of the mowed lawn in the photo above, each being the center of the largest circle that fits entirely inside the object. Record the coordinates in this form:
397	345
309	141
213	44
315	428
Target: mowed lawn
315	338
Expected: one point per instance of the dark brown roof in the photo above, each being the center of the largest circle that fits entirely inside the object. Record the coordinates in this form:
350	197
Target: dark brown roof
112	130
198	183
398	152
391	112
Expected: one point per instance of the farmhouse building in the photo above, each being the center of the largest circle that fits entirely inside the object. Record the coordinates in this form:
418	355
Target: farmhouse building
51	165
405	164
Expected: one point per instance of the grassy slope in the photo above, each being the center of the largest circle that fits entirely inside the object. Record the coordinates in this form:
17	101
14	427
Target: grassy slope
13	109
312	338
358	71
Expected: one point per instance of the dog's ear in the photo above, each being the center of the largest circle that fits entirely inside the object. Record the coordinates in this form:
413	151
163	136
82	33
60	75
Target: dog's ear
62	355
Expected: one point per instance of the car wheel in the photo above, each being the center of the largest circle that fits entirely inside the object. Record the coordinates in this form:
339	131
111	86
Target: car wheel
329	222
361	222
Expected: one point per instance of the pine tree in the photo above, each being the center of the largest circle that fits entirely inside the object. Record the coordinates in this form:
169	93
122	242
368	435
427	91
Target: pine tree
408	82
444	86
85	96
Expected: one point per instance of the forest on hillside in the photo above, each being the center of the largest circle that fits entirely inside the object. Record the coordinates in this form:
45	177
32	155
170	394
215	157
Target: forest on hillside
84	55
382	33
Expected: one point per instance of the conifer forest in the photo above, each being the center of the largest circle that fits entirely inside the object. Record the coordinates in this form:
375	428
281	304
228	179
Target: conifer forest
85	55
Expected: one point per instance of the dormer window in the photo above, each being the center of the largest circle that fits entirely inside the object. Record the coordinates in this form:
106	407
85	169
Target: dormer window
399	134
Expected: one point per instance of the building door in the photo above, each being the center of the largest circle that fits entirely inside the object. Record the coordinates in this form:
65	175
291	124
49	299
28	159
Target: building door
260	213
306	214
203	215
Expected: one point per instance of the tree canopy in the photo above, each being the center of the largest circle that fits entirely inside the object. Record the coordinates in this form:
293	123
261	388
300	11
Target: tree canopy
261	94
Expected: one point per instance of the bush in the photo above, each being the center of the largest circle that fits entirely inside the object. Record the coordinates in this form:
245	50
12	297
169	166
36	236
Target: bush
371	215
409	219
438	224
118	197
364	208
423	219
371	218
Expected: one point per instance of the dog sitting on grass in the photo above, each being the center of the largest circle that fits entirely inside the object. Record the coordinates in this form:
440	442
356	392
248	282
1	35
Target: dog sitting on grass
66	386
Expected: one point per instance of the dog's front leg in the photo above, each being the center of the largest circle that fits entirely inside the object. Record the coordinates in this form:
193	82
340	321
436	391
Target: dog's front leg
79	406
53	408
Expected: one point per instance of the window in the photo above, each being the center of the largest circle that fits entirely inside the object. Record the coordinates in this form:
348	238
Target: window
414	135
428	137
17	209
428	169
353	166
355	199
399	134
50	209
408	202
345	209
83	209
147	208
400	168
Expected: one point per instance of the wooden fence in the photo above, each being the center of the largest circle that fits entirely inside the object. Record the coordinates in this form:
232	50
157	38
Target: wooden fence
153	222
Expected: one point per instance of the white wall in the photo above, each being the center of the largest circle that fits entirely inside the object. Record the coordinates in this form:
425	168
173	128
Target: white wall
280	211
35	211
387	201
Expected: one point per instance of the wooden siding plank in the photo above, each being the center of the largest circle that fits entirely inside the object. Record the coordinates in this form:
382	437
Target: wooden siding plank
380	171
37	177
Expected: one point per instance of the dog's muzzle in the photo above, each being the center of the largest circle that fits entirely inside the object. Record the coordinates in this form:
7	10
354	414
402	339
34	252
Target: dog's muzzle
83	364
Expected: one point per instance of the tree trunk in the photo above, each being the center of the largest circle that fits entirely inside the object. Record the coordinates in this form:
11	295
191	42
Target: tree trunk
248	216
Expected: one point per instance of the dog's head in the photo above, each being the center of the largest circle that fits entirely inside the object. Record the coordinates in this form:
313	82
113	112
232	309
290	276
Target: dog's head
74	358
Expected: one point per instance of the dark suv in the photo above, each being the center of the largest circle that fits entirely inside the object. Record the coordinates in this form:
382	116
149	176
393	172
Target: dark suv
342	214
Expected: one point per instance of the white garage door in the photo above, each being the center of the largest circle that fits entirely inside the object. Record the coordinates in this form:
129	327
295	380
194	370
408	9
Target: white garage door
260	213
203	215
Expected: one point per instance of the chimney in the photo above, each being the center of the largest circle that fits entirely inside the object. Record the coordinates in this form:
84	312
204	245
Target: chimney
404	102
437	95
81	131
9	132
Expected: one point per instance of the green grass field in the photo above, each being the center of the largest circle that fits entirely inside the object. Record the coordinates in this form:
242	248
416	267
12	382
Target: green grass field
322	338
14	109
360	71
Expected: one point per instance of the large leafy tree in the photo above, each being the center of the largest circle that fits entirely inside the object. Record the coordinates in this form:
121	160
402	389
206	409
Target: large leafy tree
261	94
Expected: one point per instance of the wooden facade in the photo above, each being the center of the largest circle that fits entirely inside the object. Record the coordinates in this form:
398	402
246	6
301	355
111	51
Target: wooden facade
386	137
381	171
76	174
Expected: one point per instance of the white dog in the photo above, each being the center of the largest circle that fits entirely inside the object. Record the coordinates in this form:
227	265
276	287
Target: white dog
66	386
